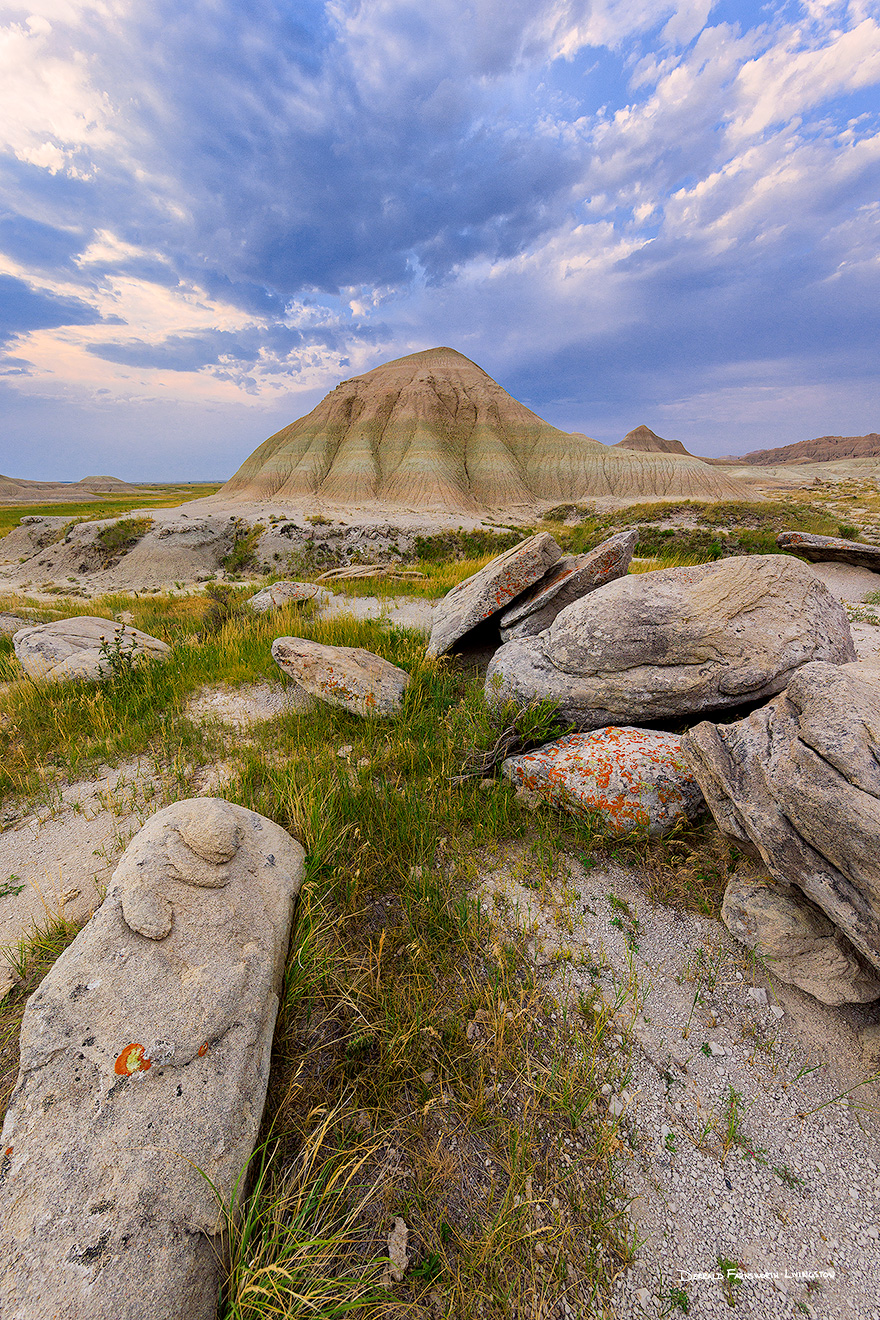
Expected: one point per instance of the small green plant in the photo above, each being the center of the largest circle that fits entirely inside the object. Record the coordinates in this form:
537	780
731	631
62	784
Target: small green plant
671	1143
731	1278
117	656
11	887
318	520
848	532
674	1299
784	1173
244	547
119	537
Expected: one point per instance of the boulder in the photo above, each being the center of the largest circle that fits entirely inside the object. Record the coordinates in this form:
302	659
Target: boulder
282	593
82	648
795	940
345	676
798	784
675	643
822	549
568	580
495	586
144	1063
634	778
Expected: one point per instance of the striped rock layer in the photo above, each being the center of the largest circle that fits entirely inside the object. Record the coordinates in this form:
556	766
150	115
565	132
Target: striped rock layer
433	430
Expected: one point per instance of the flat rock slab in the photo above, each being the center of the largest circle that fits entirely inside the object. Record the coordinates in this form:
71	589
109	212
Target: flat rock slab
81	648
495	586
822	549
798	783
675	643
345	676
144	1064
282	593
568	580
634	778
796	941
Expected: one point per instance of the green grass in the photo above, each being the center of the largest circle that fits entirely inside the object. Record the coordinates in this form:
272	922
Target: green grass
153	497
408	1022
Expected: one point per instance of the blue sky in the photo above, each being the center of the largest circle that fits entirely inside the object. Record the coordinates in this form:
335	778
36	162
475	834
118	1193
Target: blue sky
626	211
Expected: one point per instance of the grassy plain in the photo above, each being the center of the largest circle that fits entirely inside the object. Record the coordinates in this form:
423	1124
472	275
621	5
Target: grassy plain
150	497
422	1067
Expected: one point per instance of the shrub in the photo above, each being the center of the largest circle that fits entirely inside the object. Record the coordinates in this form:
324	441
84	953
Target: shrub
117	539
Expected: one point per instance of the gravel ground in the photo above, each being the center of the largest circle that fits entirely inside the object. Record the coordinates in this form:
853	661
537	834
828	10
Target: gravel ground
793	1198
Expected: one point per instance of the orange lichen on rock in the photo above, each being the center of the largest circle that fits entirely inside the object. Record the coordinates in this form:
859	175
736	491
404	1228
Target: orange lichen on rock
132	1060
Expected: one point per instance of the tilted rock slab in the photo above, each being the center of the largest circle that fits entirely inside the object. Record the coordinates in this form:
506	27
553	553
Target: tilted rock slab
682	641
798	782
72	648
345	676
144	1060
568	580
282	593
495	586
796	941
833	549
634	778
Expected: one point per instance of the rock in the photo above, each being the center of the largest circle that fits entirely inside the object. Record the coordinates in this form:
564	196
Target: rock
568	580
345	676
398	1239
12	623
635	778
82	648
679	642
796	941
798	783
491	589
144	1063
282	593
821	549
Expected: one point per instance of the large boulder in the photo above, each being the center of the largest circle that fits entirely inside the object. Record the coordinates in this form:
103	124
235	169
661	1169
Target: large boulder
795	940
634	778
490	590
798	783
144	1064
84	647
345	676
676	643
568	580
282	593
824	549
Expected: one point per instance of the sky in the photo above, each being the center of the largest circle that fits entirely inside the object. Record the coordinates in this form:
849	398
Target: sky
627	211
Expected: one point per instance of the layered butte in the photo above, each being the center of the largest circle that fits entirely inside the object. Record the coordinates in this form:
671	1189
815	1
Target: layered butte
433	430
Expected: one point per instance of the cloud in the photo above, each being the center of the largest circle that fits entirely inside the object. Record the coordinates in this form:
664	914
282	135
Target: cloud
23	309
609	202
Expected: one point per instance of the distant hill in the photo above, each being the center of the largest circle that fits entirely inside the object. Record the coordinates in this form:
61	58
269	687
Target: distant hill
433	430
15	490
825	449
646	441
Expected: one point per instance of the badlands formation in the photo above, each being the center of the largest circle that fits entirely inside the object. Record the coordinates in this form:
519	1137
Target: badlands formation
433	431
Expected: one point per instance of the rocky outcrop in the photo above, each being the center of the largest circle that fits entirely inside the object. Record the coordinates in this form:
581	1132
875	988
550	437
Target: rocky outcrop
282	593
490	590
144	1064
796	941
84	647
830	549
568	580
633	778
645	441
345	676
798	783
676	643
